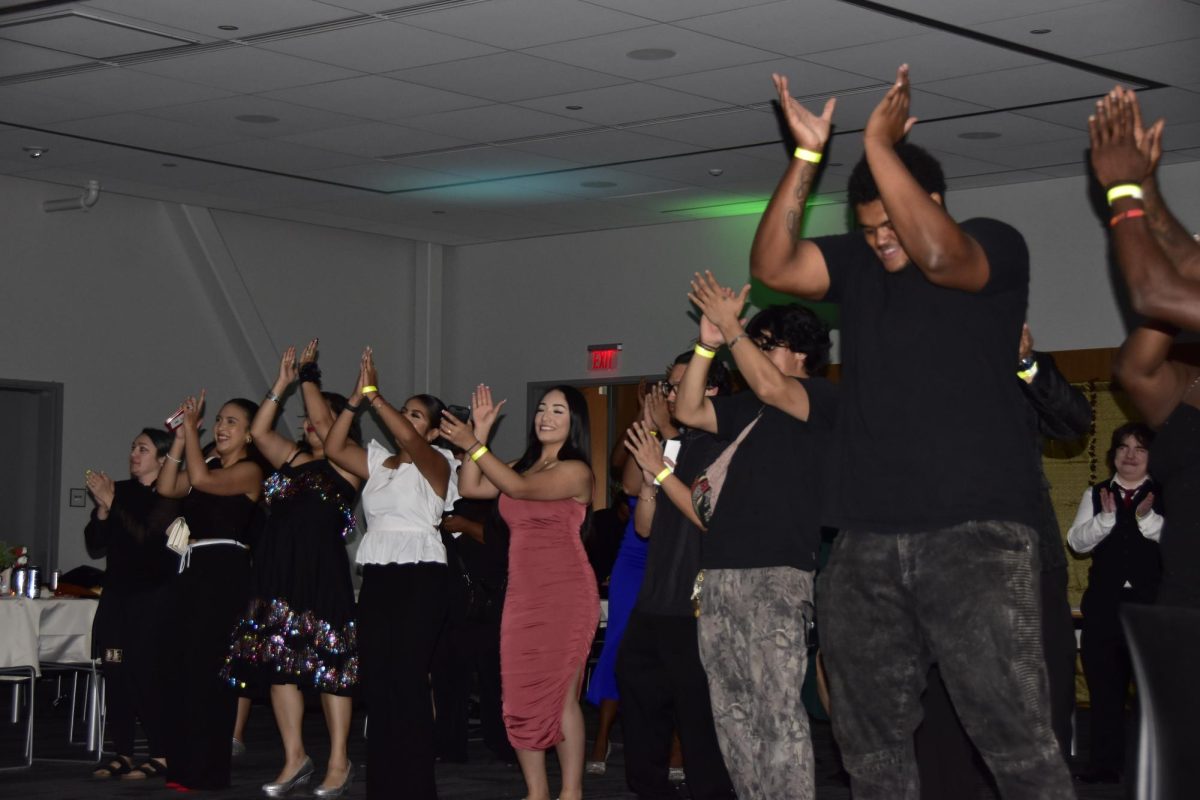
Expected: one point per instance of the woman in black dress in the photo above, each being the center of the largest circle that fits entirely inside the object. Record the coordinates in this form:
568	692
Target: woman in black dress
220	504
300	632
127	528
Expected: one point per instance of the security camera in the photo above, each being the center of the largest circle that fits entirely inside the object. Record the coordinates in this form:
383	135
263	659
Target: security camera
36	152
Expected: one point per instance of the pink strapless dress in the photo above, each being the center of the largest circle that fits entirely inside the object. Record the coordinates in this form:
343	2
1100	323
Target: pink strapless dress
550	615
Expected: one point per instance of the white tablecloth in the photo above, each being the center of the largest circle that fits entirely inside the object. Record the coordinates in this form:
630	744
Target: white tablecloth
55	630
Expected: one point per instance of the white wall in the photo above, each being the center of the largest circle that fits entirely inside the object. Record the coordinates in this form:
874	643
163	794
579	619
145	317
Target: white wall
117	305
525	311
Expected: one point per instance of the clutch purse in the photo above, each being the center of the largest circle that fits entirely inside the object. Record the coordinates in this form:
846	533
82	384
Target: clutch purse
178	535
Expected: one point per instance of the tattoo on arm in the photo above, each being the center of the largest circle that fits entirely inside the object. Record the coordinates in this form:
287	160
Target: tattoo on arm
793	222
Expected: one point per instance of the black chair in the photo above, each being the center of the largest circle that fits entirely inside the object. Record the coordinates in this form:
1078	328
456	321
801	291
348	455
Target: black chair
1164	646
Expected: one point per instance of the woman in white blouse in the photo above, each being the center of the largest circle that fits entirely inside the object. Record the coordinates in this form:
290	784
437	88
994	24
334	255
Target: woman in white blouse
402	603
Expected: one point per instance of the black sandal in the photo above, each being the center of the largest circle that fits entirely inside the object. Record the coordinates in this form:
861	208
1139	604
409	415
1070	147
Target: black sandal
150	768
118	767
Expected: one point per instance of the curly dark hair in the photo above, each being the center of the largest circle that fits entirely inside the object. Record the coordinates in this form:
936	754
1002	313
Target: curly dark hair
923	166
718	375
795	327
1138	430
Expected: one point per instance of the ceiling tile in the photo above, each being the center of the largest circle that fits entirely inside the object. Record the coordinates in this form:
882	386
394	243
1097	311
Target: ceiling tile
605	147
88	36
375	140
59	150
24	104
378	47
1041	154
1103	27
965	12
506	23
19	59
853	110
251	18
494	123
1013	130
486	162
615	105
792	29
385	177
729	129
1171	62
1023	86
222	115
274	155
375	97
1175	105
148	168
994	179
141	130
245	70
671	10
276	191
118	89
694	52
751	83
696	170
930	57
505	77
599	183
372	6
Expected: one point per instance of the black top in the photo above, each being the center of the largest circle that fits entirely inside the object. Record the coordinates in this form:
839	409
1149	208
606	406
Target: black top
487	561
1055	410
1175	464
211	516
769	511
673	556
932	432
133	538
1124	555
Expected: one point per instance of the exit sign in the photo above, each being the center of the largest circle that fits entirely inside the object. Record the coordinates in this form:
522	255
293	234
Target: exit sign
603	357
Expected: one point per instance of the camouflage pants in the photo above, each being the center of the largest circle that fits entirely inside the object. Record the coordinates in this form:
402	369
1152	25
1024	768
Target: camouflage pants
753	645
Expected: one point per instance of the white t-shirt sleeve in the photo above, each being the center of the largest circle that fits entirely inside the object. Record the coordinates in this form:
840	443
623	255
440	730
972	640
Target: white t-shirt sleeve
1089	529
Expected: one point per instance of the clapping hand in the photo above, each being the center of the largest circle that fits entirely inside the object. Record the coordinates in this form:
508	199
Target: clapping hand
1121	150
646	450
287	370
890	122
193	413
101	488
718	304
1146	506
810	131
1108	504
310	352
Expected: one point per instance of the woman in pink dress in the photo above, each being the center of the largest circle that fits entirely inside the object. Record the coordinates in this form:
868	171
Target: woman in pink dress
552	608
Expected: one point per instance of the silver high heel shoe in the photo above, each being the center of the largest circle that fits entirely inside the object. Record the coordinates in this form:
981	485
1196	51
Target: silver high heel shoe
336	791
282	788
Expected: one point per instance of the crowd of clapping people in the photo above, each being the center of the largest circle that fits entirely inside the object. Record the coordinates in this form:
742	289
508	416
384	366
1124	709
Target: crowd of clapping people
944	597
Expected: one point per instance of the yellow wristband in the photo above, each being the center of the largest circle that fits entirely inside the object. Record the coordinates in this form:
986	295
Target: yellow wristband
662	476
1115	193
810	156
368	389
478	454
703	351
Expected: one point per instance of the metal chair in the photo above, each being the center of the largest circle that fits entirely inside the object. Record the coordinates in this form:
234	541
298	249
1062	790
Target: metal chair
21	677
93	716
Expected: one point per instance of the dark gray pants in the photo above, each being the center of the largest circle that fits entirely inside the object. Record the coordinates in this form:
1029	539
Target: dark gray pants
753	644
967	598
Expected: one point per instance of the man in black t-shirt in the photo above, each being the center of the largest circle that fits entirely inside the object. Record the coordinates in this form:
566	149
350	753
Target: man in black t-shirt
931	478
762	532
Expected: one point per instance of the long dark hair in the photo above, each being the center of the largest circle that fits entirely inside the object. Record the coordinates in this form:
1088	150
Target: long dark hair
252	452
577	447
160	439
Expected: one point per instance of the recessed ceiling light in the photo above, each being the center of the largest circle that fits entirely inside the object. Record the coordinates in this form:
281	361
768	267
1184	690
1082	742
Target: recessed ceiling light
979	135
227	27
256	119
574	108
716	172
598	184
169	164
651	54
439	212
1040	31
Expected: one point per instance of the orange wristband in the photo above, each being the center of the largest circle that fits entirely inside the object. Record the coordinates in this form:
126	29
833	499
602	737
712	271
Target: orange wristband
1132	213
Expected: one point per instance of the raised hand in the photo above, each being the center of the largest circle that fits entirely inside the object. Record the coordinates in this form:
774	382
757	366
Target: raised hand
1108	505
287	369
657	413
363	369
484	412
193	412
1116	157
457	432
810	131
645	449
718	304
310	352
1144	507
890	122
101	487
1148	140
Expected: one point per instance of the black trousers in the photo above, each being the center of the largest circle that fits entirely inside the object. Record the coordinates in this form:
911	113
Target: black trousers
663	689
466	648
401	609
1108	670
126	638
